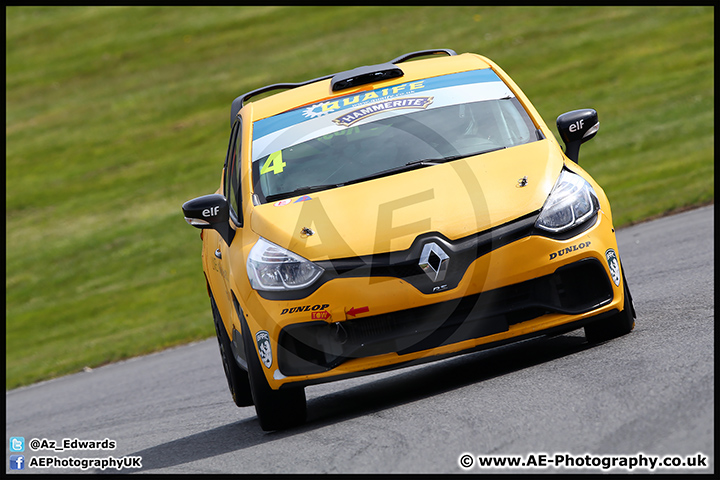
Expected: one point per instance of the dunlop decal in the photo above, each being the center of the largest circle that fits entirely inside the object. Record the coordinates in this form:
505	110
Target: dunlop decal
305	308
574	248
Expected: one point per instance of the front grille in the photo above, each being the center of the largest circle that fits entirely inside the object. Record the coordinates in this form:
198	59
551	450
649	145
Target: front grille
405	264
315	347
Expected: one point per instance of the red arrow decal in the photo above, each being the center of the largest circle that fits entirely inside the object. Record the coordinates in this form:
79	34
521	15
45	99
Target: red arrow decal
354	311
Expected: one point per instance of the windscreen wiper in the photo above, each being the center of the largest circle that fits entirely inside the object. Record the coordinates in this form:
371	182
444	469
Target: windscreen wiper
317	188
435	161
383	173
427	162
301	191
394	170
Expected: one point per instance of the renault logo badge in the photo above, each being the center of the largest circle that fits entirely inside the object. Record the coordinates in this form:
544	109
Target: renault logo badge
434	262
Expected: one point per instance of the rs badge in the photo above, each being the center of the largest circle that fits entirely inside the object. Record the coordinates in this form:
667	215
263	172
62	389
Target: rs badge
614	266
263	343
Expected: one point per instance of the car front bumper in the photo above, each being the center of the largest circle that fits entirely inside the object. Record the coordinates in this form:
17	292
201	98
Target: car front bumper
526	285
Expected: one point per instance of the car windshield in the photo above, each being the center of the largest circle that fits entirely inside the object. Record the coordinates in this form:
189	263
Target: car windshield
385	131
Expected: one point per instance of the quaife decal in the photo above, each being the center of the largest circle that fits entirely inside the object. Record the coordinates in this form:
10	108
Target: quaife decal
334	105
305	308
614	265
356	115
263	343
574	248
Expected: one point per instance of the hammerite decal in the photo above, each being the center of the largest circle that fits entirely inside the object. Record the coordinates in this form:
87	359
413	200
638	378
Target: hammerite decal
614	265
263	342
357	115
574	248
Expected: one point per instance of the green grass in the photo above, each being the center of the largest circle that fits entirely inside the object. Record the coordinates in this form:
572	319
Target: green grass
115	116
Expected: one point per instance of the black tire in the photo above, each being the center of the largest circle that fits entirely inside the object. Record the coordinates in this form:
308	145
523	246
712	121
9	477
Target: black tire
276	409
237	378
616	326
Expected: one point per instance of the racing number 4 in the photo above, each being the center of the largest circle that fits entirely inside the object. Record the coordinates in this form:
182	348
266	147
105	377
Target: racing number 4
274	164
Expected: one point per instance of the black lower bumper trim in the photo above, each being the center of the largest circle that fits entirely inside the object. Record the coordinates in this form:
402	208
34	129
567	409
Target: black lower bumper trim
314	347
551	332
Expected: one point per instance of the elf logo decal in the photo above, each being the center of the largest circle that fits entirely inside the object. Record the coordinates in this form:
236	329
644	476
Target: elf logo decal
305	308
263	342
211	212
574	248
614	265
576	126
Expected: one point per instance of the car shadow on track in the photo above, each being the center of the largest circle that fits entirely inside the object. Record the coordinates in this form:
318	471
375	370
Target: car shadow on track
436	378
375	395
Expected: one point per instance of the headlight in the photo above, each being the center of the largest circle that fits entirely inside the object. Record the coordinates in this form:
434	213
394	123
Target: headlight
271	267
571	202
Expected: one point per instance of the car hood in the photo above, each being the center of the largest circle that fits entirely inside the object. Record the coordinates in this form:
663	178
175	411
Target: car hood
456	199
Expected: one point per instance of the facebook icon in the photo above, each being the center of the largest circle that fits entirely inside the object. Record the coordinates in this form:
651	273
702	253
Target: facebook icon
17	462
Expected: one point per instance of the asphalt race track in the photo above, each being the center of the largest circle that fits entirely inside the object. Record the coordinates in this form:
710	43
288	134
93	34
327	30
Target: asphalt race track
650	393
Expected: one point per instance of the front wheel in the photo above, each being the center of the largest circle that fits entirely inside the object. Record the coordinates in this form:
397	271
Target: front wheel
615	326
237	378
276	409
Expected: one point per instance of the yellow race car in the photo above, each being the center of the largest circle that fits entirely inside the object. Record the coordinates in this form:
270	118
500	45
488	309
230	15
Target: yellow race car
395	214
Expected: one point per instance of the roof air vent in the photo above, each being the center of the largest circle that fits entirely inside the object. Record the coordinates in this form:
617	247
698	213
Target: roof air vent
363	75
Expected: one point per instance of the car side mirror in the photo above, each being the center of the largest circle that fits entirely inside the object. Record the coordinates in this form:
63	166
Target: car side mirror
576	128
210	212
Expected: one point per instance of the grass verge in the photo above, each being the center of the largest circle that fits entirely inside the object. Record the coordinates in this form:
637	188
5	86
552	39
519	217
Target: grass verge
117	115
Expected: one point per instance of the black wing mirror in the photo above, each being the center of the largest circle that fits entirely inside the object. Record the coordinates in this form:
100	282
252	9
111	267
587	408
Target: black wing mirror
210	211
576	128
